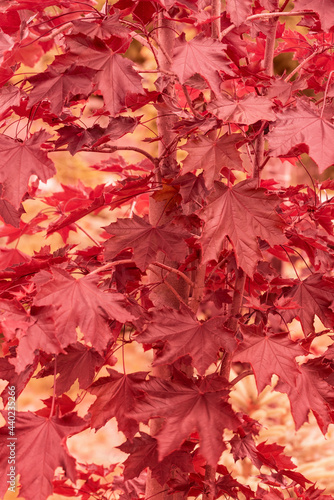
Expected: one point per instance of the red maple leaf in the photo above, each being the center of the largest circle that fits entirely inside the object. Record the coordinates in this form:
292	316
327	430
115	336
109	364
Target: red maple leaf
310	392
115	76
303	125
246	110
314	295
145	240
268	354
79	362
212	155
40	335
144	453
86	307
36	466
184	334
116	397
58	88
189	405
201	55
25	159
230	211
238	10
324	9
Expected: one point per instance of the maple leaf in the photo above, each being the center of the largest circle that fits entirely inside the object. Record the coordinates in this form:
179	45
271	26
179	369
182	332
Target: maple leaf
115	76
314	295
25	159
303	125
246	110
116	397
188	405
143	452
268	354
201	55
310	392
238	10
183	334
85	307
145	240
7	372
324	9
39	335
57	87
230	211
79	362
212	155
35	465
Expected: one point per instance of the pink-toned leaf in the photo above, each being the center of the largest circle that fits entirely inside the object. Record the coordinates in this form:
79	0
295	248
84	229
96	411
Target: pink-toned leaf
25	159
36	466
246	110
230	211
184	334
303	125
269	354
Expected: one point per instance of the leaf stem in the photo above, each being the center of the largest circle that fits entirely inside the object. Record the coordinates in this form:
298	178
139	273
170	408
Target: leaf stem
241	376
175	271
54	388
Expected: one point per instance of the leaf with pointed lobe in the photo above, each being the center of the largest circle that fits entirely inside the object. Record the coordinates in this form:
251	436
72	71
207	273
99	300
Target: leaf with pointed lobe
303	125
324	9
117	395
188	405
36	435
78	137
238	10
115	76
245	110
86	307
25	159
145	240
19	380
269	354
78	362
40	335
184	334
212	155
311	392
230	211
9	96
314	295
143	452
58	88
201	55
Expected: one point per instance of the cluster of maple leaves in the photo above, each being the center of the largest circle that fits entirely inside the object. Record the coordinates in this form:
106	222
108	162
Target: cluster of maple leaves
67	313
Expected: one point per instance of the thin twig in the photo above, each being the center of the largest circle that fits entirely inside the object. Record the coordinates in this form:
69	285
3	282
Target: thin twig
293	72
109	265
175	271
241	376
190	104
266	15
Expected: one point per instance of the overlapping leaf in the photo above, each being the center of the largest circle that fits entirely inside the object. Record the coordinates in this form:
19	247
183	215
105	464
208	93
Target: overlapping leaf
39	449
212	155
315	296
269	354
303	124
246	110
183	334
145	240
201	55
116	397
188	405
25	158
244	213
79	303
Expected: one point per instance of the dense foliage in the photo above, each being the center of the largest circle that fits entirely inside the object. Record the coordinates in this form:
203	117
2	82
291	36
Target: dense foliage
206	259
